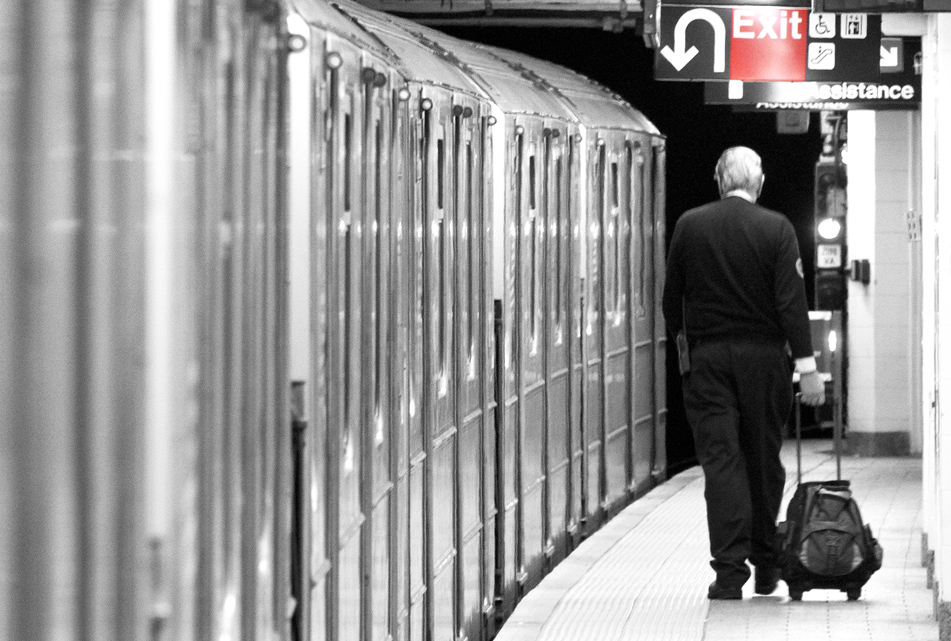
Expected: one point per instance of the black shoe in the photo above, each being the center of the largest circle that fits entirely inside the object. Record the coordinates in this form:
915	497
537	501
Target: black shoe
765	580
718	591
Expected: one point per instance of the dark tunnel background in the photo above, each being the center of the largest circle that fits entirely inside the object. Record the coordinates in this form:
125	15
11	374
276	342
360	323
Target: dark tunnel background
696	135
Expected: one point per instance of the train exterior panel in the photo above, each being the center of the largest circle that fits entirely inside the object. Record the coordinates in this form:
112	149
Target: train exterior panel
361	343
72	294
230	455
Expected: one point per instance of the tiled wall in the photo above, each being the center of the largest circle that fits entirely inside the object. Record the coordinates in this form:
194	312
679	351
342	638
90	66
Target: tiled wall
936	280
880	193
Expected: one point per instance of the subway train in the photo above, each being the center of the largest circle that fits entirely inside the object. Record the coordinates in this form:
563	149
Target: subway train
315	323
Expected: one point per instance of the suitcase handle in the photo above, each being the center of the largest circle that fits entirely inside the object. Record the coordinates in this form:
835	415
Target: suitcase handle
837	429
798	410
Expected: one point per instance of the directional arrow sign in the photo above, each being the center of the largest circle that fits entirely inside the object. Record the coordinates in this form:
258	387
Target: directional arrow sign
679	57
695	43
891	55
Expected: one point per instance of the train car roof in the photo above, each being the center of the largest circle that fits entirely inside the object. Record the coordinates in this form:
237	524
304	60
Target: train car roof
416	61
512	91
321	13
594	104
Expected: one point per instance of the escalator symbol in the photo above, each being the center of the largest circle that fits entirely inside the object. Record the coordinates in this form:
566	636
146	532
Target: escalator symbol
821	55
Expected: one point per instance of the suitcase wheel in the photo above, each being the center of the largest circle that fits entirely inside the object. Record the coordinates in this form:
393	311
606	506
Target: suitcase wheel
854	594
795	595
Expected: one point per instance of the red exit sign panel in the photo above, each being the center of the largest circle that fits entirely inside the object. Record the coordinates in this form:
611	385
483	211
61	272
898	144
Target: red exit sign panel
768	44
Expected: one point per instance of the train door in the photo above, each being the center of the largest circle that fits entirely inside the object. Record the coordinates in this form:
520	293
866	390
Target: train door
485	187
558	341
530	221
345	350
315	75
574	329
241	373
307	72
381	415
439	391
508	399
419	136
470	362
593	339
402	179
617	333
264	401
644	251
658	459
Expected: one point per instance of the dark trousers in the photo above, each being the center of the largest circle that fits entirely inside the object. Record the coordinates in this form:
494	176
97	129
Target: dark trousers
737	396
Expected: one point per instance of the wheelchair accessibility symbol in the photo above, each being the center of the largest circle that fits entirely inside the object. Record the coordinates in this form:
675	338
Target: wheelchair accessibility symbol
822	25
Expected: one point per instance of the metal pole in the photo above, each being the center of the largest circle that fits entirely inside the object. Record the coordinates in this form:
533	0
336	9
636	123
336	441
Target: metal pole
798	440
837	411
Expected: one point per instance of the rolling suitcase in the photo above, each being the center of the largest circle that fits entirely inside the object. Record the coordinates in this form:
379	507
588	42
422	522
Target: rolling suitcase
823	543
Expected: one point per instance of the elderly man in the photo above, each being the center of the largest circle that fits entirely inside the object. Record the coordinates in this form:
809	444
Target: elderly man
735	286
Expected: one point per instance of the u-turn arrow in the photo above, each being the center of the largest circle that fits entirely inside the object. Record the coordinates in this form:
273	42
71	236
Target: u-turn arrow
679	56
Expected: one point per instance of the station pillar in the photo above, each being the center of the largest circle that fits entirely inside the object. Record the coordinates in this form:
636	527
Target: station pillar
936	279
883	161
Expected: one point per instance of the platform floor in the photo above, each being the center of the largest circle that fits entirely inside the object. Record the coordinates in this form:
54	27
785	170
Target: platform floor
644	575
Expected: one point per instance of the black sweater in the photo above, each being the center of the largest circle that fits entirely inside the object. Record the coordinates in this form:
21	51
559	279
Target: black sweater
736	265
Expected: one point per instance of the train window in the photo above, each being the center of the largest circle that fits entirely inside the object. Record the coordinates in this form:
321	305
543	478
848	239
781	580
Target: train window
347	159
567	234
531	182
347	327
614	185
616	223
533	249
642	226
440	230
380	293
599	245
519	190
441	240
557	236
518	174
440	171
474	266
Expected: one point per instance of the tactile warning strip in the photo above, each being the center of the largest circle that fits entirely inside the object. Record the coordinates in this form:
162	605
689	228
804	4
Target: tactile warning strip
636	578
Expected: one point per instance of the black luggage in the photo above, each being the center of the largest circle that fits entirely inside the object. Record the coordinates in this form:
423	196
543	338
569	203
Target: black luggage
823	543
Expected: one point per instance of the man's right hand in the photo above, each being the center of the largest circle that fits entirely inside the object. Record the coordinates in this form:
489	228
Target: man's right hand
812	388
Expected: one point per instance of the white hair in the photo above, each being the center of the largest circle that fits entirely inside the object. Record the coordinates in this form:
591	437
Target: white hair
740	168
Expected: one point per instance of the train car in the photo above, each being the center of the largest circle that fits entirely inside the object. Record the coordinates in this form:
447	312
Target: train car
431	356
485	498
216	354
143	365
534	140
297	305
346	216
623	335
587	470
72	322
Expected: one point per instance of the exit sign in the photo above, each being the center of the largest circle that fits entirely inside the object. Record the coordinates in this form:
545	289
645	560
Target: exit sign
766	43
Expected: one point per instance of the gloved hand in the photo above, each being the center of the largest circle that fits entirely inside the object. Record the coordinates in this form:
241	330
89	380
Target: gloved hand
812	388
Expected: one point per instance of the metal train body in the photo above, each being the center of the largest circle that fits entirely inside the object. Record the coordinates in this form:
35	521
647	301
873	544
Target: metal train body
316	323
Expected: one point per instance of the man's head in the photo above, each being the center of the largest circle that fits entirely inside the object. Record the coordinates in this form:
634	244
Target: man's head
740	168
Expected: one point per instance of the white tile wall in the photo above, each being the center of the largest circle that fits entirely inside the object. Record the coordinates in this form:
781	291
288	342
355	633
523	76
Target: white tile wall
879	176
936	179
